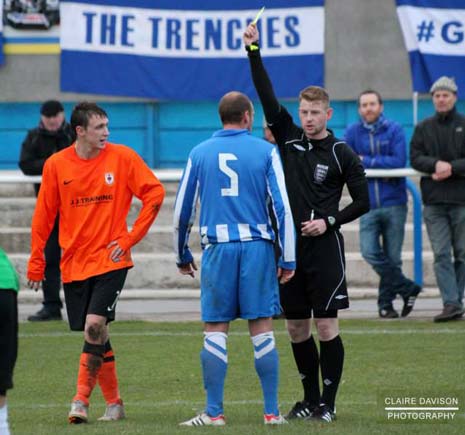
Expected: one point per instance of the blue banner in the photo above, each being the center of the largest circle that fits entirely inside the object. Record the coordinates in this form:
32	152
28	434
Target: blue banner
434	34
2	58
186	49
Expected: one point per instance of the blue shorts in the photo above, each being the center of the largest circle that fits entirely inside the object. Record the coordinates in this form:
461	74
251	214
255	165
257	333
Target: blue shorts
238	280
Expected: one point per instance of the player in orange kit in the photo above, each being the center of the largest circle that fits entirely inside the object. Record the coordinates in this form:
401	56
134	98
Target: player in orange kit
91	185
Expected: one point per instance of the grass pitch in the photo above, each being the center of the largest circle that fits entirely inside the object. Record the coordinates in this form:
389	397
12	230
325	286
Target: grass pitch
161	385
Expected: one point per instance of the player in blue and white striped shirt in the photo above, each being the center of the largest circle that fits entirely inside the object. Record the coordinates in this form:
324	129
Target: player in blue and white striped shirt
236	175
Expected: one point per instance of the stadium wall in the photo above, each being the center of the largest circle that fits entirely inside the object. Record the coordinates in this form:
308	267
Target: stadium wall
164	133
363	49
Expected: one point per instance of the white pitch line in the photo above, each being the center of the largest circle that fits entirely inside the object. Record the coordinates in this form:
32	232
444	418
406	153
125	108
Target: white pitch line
170	403
422	408
241	334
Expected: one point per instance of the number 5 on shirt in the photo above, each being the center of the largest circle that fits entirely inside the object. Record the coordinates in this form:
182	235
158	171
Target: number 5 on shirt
233	190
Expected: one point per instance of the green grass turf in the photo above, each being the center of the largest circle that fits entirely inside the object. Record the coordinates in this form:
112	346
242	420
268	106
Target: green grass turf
160	379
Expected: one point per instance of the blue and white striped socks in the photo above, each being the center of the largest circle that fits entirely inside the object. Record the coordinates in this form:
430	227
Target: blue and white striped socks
214	358
267	367
4	429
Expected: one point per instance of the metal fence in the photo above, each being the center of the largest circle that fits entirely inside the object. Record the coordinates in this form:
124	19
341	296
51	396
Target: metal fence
174	175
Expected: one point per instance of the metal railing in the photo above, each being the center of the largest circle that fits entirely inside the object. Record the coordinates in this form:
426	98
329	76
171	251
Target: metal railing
174	175
15	177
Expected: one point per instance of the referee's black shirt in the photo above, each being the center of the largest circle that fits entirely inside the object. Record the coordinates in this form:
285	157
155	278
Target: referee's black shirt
315	170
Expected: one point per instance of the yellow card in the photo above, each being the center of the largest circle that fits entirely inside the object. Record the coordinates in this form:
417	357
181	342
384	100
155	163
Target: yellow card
260	12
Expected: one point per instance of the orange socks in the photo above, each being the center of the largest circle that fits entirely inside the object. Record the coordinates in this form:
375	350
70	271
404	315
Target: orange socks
90	364
107	378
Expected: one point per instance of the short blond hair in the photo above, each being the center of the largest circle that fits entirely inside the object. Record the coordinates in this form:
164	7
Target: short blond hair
314	93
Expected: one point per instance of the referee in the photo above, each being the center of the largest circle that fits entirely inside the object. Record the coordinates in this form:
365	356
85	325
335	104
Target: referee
316	167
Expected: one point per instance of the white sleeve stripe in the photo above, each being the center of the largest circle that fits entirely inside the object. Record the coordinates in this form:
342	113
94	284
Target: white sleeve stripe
194	201
295	140
334	153
278	226
192	216
181	193
289	235
178	208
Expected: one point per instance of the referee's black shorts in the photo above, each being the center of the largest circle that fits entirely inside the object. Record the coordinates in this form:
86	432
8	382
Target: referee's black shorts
8	338
95	295
319	284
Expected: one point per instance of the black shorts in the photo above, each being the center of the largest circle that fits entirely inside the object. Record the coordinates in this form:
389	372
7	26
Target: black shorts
319	284
95	295
8	337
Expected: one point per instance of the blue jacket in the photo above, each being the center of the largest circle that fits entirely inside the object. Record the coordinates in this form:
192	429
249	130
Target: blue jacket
381	145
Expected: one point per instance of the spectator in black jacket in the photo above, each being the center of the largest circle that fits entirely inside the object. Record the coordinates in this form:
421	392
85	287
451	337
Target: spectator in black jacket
438	148
52	135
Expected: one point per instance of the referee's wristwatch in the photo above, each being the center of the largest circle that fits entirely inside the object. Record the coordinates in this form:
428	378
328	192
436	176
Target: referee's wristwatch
330	221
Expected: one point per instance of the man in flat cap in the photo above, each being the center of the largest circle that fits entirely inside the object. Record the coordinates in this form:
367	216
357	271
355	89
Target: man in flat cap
438	148
52	135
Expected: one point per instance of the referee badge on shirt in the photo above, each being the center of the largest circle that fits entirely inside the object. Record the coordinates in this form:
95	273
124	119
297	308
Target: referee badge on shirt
109	178
320	173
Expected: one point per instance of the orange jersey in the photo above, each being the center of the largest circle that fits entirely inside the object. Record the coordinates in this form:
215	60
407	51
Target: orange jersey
93	198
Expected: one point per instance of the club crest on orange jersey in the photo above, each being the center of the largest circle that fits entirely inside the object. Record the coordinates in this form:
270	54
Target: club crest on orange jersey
109	178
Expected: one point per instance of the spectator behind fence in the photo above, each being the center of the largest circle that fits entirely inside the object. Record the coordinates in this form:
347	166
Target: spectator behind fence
380	144
52	135
438	148
9	286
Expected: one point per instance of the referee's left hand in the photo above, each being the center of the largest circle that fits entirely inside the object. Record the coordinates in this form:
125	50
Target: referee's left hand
251	34
313	228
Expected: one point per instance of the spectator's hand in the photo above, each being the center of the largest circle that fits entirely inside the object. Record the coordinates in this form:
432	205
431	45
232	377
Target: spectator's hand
188	269
117	252
443	170
34	285
285	275
313	228
251	34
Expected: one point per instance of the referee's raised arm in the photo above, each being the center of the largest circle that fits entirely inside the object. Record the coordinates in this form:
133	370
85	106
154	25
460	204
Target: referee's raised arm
261	81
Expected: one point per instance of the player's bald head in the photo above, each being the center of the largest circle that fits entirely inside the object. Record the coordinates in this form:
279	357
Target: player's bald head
233	106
